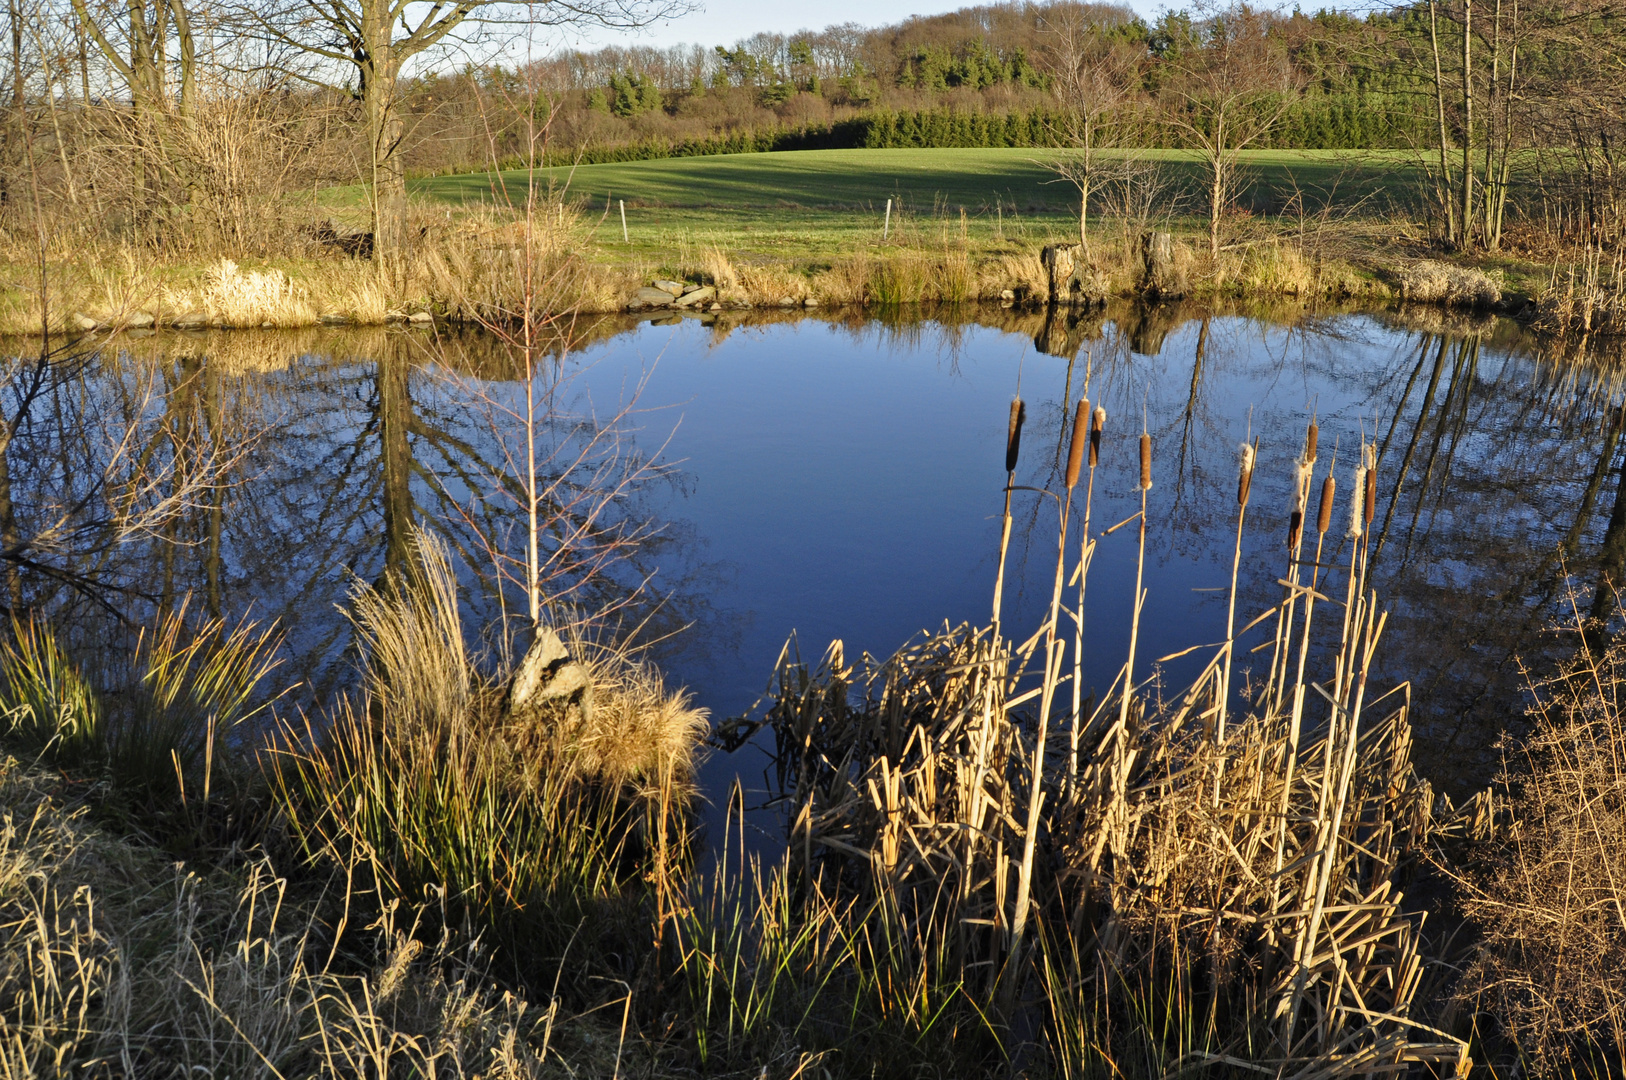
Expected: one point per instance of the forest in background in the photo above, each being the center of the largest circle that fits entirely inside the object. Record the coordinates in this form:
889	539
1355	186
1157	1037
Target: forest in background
208	126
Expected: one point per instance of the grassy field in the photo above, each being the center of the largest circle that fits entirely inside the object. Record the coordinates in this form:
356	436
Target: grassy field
811	208
979	181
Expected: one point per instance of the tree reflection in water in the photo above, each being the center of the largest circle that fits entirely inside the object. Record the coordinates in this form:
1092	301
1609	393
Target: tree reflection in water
266	473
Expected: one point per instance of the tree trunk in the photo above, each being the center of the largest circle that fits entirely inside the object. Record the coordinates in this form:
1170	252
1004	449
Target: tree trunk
1487	207
384	131
1216	202
1443	187
1467	122
1495	238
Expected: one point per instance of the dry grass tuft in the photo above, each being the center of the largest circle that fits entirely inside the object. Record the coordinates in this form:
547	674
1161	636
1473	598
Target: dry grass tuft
1429	282
532	819
637	729
235	297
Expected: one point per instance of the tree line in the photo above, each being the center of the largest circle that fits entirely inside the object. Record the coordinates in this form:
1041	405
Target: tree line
179	122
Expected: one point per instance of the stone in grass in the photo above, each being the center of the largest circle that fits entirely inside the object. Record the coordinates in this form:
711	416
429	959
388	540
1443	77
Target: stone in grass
699	296
674	288
191	320
139	320
810	302
335	318
420	317
789	301
83	322
687	289
654	297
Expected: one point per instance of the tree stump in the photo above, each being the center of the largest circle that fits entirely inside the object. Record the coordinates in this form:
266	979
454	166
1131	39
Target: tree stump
1160	279
1060	261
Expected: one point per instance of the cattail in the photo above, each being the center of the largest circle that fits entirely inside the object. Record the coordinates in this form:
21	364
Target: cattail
1096	424
1312	437
1356	503
1013	436
1371	455
1371	495
1075	452
1145	462
1244	476
1323	520
1301	494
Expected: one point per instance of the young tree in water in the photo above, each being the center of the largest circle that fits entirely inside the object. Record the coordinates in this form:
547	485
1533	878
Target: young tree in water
374	39
1227	80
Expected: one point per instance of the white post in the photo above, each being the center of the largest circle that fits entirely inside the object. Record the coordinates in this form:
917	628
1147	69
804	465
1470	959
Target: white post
887	227
623	205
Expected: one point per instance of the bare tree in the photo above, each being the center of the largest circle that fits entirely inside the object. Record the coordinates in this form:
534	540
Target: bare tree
1090	78
374	39
1226	94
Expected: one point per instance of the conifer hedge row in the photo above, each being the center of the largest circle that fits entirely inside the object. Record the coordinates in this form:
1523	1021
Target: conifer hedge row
1335	121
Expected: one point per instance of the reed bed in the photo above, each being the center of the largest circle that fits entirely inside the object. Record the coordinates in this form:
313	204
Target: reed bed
1588	298
1230	861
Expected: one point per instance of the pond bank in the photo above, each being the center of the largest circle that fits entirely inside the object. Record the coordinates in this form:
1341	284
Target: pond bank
472	272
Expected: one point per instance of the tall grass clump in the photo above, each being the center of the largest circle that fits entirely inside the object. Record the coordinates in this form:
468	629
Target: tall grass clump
163	726
532	821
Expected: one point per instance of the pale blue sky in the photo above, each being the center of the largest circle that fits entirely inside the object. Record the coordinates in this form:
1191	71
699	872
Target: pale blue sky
724	21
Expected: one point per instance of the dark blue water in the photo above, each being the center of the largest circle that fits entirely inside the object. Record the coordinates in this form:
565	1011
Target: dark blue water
846	482
841	477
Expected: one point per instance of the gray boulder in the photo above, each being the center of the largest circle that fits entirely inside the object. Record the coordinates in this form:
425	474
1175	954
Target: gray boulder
654	297
547	674
698	296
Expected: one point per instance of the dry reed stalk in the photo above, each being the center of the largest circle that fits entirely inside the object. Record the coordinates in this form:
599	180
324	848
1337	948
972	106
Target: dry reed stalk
1013	448
1281	654
1055	649
1247	454
1086	550
1296	719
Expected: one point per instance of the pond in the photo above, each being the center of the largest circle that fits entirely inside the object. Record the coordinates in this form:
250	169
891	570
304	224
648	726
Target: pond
729	484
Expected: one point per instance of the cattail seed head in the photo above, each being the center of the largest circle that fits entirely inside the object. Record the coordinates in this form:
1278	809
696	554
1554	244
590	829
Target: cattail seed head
1301	495
1145	462
1312	436
1301	485
1323	519
1013	435
1075	451
1370	455
1244	476
1356	503
1098	422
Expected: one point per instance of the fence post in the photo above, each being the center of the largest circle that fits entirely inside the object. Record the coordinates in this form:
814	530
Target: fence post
887	227
623	204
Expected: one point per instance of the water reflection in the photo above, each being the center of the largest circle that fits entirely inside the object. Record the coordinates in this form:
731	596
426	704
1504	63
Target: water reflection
753	474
